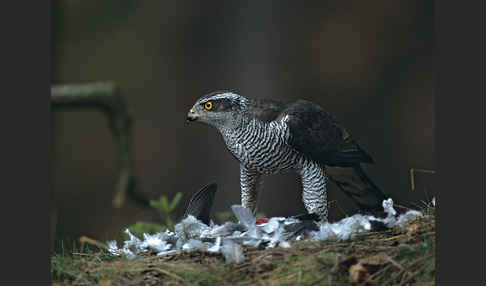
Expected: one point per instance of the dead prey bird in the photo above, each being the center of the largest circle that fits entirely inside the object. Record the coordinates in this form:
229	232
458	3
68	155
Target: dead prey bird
271	136
201	203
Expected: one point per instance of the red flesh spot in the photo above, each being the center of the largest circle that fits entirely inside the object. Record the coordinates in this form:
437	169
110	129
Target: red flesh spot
261	220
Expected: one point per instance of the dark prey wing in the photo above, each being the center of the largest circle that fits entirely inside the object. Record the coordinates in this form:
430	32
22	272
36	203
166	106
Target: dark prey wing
316	134
201	202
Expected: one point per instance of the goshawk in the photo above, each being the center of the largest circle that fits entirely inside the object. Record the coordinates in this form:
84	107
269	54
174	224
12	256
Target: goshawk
268	136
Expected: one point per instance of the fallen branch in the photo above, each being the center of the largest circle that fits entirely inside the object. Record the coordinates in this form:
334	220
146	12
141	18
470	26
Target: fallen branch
104	97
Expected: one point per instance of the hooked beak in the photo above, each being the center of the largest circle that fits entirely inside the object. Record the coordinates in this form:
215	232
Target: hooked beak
192	116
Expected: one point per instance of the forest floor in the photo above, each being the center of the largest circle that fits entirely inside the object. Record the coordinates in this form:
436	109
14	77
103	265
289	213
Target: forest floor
397	256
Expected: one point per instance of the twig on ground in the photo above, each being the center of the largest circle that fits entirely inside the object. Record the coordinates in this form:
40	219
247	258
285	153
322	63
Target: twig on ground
84	239
412	175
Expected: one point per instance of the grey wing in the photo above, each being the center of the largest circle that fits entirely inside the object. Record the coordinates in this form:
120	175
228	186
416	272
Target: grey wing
315	133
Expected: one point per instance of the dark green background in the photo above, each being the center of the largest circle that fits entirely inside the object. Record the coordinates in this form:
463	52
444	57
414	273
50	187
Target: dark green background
367	62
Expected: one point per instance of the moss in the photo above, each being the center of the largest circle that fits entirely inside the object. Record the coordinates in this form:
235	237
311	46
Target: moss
141	227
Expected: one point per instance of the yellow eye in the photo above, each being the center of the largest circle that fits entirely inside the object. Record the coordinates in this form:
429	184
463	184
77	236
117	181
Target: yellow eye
208	105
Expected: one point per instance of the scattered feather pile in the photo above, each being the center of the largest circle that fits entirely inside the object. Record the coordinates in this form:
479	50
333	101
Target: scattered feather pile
193	235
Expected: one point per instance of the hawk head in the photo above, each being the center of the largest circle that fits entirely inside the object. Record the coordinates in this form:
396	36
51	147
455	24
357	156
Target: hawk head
220	108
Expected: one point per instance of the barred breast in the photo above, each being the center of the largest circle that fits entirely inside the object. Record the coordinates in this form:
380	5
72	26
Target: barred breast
262	146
